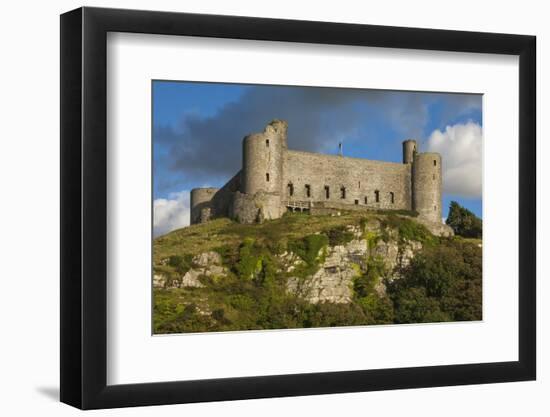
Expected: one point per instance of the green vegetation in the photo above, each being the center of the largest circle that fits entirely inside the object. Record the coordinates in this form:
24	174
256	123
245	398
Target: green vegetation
408	230
339	235
250	261
365	284
442	282
223	232
409	213
376	306
464	222
312	250
181	264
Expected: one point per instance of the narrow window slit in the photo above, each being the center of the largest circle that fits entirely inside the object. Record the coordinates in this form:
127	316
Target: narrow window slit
343	192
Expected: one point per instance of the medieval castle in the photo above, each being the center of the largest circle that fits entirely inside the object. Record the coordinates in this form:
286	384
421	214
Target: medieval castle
275	179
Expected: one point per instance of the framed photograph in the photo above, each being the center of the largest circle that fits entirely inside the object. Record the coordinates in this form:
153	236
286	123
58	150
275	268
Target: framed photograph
258	208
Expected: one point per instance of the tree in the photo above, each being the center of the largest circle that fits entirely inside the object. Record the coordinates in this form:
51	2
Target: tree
413	305
464	222
442	283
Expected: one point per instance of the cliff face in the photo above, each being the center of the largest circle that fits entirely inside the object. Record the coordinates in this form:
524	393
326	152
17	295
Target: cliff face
334	280
330	274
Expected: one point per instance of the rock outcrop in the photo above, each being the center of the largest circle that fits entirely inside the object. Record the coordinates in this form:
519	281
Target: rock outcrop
334	280
208	264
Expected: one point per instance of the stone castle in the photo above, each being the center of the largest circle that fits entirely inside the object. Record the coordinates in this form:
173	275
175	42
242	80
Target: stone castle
275	179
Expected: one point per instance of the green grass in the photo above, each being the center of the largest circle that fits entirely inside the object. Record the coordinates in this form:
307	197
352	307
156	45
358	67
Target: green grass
172	253
312	250
222	233
409	229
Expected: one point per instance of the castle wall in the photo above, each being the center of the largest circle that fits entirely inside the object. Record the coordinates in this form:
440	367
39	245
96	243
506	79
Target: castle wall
259	195
360	177
247	208
201	208
263	159
223	199
427	186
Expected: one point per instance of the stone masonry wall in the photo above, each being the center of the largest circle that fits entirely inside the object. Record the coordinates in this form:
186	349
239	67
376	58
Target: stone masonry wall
360	177
427	186
256	208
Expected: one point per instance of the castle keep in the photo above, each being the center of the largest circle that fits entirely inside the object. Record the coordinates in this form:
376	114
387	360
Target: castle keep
275	179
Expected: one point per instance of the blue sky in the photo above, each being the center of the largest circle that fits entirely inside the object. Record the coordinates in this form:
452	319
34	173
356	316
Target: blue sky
198	128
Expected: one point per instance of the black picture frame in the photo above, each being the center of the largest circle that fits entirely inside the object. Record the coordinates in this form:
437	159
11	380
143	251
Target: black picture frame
84	207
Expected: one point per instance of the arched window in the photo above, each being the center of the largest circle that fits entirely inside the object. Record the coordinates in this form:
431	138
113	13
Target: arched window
290	189
267	176
366	200
343	192
308	190
435	163
377	196
391	197
267	143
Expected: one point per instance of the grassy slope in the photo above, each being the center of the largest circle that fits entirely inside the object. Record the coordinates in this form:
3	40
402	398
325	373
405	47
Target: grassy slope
243	304
224	232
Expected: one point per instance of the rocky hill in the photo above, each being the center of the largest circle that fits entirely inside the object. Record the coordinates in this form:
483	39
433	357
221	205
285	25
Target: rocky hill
310	271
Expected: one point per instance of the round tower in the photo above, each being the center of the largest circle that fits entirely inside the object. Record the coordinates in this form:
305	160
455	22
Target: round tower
201	208
263	155
409	149
426	185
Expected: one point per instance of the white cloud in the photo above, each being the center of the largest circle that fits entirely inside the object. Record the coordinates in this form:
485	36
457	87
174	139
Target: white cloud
170	213
461	150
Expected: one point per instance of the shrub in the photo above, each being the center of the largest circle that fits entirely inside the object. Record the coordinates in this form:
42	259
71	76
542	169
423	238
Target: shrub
333	314
241	302
309	248
365	284
250	261
181	264
414	306
377	310
227	254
